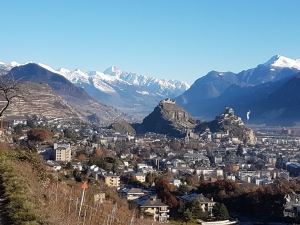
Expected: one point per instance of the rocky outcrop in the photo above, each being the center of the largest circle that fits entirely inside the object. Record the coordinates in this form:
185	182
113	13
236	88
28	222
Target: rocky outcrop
122	127
233	125
169	118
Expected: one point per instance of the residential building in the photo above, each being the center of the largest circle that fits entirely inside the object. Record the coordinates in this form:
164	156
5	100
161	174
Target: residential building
52	165
62	153
131	193
111	180
151	206
77	165
140	177
175	182
210	172
206	204
217	159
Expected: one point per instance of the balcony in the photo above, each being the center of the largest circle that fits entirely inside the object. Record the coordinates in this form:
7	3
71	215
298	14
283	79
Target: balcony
163	218
164	210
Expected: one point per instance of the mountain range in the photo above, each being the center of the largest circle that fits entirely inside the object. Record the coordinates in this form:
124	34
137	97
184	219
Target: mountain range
75	97
129	92
267	93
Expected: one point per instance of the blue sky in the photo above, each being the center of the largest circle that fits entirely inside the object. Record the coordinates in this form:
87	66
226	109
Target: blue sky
171	39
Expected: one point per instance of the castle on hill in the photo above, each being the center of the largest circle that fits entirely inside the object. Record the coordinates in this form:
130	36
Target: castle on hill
167	100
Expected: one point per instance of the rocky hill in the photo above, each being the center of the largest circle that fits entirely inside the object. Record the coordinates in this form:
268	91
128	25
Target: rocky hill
39	99
229	123
169	118
122	127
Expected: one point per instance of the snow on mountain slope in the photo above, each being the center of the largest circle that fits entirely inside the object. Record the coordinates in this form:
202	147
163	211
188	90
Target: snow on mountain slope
283	62
276	68
76	76
7	67
161	86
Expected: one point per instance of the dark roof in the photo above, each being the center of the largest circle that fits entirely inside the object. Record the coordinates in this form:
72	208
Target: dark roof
153	202
199	197
140	201
135	191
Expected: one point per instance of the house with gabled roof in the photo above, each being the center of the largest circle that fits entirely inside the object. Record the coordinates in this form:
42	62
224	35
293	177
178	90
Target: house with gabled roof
151	206
206	204
131	193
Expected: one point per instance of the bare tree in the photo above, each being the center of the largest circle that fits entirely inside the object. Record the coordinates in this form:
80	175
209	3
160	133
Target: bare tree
11	90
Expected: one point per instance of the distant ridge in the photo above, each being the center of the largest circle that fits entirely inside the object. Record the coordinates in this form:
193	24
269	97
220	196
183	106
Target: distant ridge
77	97
129	92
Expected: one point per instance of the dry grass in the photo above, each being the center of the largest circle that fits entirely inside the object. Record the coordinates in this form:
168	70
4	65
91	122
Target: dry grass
34	196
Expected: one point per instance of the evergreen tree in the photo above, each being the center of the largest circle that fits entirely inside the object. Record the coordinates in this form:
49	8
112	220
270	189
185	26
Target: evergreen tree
69	166
18	130
187	214
201	178
220	211
95	138
149	178
279	162
182	189
239	151
30	123
194	207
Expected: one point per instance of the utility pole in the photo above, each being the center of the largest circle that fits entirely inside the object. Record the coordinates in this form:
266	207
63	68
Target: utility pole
84	186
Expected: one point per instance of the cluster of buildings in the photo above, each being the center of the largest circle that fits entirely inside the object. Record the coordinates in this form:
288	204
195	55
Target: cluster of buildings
274	155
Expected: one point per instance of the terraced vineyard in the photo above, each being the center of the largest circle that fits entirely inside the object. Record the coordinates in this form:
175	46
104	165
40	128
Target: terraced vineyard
40	100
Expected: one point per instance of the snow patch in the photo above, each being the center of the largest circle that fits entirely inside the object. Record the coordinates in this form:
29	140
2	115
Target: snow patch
14	63
143	92
48	68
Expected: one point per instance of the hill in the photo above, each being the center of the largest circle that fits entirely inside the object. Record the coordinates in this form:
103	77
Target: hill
129	92
32	195
168	118
75	96
40	100
231	124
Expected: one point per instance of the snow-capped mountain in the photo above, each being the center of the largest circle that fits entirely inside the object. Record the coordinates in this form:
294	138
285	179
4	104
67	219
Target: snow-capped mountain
276	68
283	62
129	92
6	67
270	91
163	86
215	83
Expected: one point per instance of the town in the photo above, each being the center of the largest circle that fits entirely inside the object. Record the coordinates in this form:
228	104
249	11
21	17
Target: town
163	177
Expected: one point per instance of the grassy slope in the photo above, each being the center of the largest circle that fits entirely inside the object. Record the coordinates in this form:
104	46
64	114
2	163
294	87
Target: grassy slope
33	196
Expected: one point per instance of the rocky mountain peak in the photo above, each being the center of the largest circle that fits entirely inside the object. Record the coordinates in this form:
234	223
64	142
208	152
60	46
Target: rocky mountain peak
282	61
229	123
229	115
169	118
